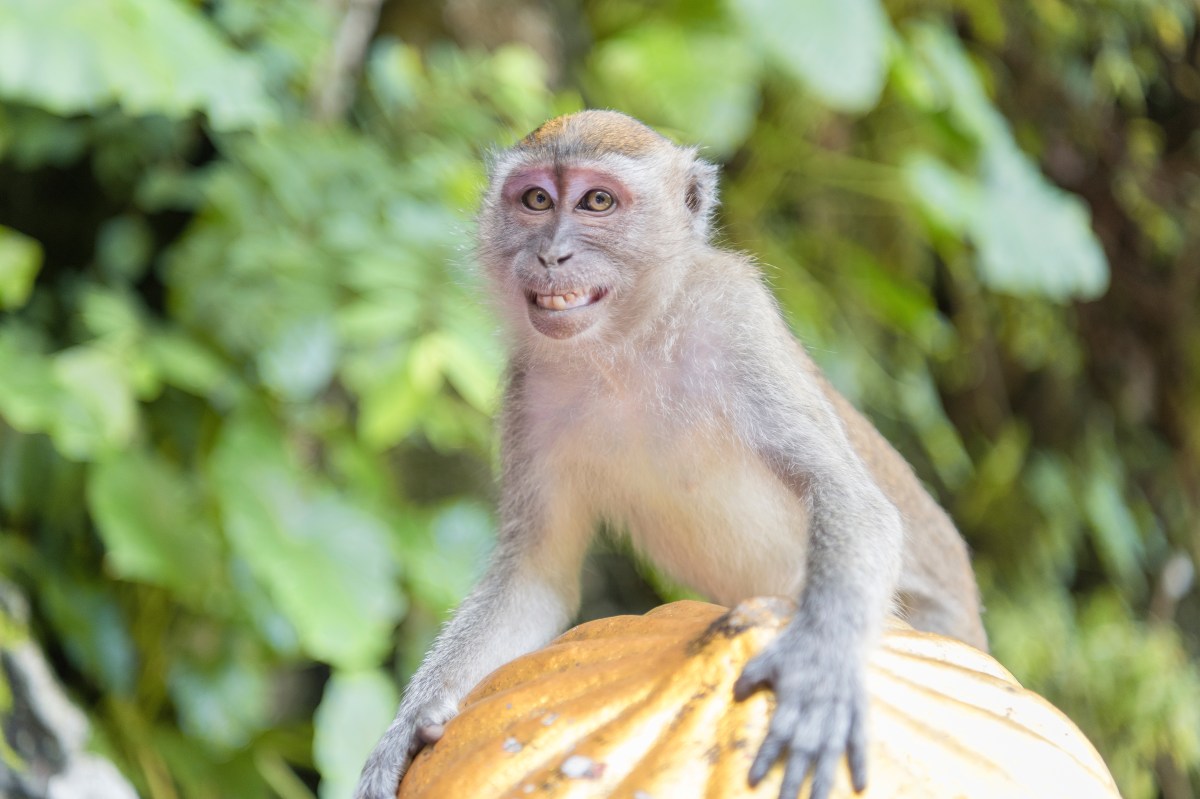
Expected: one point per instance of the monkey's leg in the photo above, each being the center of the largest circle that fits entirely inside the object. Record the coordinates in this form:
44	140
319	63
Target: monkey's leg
816	666
528	595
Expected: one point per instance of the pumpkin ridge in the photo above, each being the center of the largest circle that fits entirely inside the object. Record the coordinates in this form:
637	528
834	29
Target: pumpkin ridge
914	724
614	746
959	770
561	658
632	626
478	763
907	641
1048	726
670	690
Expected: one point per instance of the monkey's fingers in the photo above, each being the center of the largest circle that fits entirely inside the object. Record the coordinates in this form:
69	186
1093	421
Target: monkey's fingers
822	781
798	763
768	753
758	674
779	738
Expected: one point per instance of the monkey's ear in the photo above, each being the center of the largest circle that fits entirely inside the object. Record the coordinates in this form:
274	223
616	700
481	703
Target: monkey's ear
701	196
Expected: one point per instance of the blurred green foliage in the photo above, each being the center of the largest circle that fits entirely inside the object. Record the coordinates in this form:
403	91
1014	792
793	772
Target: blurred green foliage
246	377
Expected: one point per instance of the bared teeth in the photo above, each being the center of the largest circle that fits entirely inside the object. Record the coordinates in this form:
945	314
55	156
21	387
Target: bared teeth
567	300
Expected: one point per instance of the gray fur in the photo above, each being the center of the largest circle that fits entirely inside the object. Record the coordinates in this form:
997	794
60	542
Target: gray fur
680	408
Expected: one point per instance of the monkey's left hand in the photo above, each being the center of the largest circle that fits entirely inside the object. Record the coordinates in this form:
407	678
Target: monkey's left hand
820	708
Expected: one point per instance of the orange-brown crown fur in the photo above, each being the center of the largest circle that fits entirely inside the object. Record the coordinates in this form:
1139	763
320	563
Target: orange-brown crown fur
591	133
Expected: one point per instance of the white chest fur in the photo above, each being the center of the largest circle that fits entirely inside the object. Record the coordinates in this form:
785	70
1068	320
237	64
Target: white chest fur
648	456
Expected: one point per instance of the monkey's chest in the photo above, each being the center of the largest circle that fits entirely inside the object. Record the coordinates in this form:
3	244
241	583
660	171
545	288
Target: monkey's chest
693	499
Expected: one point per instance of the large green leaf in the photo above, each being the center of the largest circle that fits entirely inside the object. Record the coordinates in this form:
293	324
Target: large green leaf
1031	237
1034	238
152	523
147	56
839	50
82	396
29	393
325	562
97	411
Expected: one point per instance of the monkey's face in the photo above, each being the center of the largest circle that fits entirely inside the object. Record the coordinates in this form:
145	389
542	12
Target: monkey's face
566	230
575	249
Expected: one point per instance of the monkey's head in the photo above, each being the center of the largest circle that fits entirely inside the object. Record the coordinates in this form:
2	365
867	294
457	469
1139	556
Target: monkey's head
588	226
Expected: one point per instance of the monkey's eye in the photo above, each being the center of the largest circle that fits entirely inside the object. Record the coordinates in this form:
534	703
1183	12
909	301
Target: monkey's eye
597	200
537	200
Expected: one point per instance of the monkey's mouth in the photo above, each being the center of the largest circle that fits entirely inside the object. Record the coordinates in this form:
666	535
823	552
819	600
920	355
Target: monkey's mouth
567	300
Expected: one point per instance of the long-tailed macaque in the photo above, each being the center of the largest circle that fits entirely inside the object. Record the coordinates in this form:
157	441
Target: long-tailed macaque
653	385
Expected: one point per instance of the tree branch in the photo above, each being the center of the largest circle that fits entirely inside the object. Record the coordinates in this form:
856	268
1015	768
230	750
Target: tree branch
333	91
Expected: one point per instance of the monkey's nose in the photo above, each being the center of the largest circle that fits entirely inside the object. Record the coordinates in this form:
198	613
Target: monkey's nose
550	260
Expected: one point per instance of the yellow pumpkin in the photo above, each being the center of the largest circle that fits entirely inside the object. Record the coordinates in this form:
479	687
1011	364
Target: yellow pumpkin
641	707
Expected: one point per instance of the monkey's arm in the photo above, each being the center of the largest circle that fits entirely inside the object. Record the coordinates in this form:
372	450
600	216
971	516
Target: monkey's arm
816	665
528	595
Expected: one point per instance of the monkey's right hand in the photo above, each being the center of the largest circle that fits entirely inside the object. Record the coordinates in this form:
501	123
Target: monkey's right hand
820	709
416	724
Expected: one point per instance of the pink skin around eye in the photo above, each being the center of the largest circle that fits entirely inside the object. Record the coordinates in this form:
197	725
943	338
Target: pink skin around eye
571	182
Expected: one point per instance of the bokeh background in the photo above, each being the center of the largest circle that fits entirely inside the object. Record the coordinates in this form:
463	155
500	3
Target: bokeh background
247	373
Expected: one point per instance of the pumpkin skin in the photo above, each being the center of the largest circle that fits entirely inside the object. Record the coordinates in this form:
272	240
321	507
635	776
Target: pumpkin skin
641	707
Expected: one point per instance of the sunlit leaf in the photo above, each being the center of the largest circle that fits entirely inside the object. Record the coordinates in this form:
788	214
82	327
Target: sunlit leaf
20	260
471	371
29	393
1034	238
391	399
949	199
96	410
702	84
109	314
950	83
521	79
1031	237
185	363
839	50
395	75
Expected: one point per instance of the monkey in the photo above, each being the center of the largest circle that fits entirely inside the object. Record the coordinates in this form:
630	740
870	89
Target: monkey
654	386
